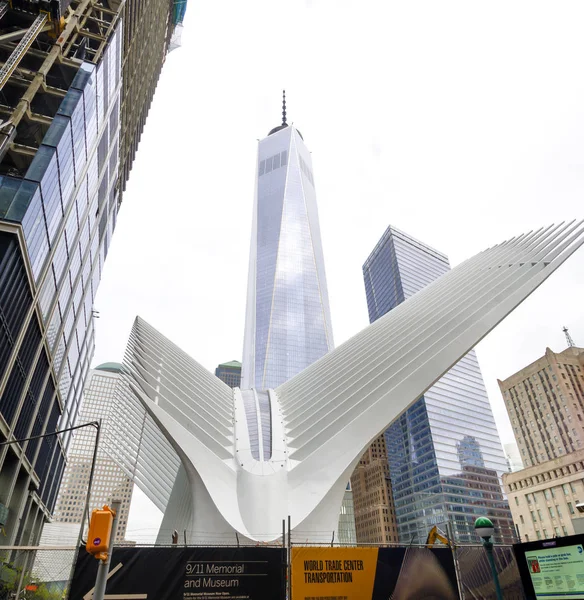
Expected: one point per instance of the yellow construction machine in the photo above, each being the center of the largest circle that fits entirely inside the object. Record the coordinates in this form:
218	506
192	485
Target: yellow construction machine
436	534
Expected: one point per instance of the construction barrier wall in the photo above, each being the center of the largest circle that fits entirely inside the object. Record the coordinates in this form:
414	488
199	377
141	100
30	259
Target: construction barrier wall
262	573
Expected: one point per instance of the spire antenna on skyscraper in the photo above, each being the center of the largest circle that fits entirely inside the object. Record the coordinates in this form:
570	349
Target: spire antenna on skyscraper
284	107
284	121
286	265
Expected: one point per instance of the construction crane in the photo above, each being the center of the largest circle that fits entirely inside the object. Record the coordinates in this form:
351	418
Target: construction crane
436	534
21	49
48	19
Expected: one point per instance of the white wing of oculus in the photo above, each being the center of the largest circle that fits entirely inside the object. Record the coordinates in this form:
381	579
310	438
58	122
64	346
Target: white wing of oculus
253	458
136	443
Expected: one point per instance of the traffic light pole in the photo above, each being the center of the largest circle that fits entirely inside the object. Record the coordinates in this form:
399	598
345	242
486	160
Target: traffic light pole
104	565
85	514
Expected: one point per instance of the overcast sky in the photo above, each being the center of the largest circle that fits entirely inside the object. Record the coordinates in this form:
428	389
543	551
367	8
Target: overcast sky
460	123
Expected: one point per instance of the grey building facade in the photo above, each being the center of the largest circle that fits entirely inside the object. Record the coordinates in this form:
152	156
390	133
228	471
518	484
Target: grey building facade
443	466
110	481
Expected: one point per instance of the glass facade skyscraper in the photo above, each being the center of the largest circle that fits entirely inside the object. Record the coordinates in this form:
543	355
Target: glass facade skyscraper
444	465
230	373
288	324
74	106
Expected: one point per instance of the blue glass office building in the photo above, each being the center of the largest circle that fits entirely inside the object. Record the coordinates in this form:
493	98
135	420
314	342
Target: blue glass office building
288	324
230	373
445	456
74	106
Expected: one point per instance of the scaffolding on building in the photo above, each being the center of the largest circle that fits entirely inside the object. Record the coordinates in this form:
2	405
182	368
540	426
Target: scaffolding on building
42	46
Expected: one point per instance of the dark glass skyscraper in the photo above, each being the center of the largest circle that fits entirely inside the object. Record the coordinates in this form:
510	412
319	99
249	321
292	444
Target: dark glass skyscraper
443	465
73	109
230	373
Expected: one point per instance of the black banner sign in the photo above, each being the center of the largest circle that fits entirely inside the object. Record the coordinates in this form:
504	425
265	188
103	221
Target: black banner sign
176	573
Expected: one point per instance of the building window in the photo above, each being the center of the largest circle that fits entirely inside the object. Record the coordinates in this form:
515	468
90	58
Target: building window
522	519
538	534
516	500
552	514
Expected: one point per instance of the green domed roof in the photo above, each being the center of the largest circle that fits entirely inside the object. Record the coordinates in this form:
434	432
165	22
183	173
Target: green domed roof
234	364
112	367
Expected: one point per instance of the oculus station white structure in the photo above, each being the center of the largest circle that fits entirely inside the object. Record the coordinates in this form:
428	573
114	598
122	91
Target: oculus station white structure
288	443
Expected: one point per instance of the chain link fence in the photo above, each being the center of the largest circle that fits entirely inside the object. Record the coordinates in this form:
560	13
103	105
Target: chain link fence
33	572
475	577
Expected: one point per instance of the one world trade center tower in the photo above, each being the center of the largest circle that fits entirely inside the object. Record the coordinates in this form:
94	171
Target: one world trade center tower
288	323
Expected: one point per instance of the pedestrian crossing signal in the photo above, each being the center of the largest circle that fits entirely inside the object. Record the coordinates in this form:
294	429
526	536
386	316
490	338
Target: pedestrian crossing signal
100	530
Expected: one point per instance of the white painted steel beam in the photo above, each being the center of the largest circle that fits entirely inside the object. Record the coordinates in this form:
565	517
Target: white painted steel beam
322	420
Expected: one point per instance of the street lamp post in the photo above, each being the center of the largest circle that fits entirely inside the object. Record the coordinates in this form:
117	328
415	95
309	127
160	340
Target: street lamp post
485	529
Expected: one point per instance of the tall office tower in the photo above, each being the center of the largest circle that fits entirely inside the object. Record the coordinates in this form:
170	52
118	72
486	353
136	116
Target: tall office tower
230	373
109	480
545	402
374	511
443	467
77	81
288	322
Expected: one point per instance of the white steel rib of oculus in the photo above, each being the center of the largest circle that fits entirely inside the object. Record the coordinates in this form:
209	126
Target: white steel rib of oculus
254	457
